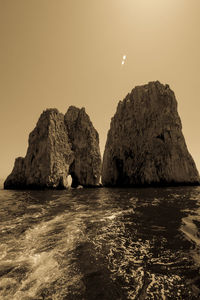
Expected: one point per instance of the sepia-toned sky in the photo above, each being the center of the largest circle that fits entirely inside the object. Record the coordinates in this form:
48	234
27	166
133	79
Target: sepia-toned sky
57	53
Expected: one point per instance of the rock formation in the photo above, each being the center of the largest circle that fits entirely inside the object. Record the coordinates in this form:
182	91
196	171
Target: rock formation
85	169
54	153
145	144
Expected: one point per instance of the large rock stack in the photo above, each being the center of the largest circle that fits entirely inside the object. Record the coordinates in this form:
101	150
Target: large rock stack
145	144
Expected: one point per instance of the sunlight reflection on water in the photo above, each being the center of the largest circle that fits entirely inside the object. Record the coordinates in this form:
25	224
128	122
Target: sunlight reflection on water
108	243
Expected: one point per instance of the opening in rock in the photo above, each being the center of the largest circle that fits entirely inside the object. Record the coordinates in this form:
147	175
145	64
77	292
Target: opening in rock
69	180
75	181
161	137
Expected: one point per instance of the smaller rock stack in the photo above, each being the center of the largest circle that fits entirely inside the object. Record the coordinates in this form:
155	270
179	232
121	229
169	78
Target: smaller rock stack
59	146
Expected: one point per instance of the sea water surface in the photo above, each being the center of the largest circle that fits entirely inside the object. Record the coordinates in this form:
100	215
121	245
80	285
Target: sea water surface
100	244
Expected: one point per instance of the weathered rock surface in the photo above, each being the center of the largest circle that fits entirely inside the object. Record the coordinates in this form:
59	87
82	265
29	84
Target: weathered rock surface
50	157
145	144
86	167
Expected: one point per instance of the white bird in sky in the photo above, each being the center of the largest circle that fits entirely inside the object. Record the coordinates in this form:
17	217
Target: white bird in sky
123	61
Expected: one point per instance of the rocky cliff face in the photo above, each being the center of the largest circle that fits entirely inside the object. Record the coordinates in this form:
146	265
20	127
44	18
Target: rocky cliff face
84	139
50	156
145	144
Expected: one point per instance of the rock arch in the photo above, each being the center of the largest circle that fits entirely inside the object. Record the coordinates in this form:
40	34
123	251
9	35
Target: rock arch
60	145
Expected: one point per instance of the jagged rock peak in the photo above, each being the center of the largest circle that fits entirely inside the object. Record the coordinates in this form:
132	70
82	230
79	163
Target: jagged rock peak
50	157
145	144
84	139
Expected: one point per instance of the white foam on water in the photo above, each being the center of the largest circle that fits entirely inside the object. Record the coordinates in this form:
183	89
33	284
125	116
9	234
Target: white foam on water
44	268
116	214
155	202
191	233
190	229
162	286
3	251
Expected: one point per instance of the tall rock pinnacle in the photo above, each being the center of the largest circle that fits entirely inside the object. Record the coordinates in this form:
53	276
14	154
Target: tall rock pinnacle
145	144
84	138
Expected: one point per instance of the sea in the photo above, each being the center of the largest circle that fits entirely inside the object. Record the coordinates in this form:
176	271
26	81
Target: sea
104	243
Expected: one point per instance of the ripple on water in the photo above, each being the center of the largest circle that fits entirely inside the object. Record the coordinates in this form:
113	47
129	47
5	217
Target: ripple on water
101	244
45	250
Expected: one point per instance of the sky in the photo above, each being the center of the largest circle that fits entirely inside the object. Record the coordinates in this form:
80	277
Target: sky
57	53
